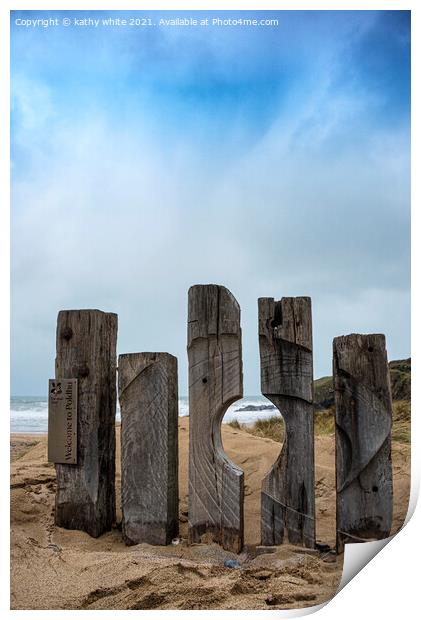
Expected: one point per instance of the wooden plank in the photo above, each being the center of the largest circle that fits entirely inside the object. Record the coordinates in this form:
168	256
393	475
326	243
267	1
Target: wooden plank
148	393
286	368
216	485
364	489
86	350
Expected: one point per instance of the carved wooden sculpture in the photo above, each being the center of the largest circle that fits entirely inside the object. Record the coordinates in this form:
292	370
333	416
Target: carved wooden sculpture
364	491
148	393
86	350
216	485
286	364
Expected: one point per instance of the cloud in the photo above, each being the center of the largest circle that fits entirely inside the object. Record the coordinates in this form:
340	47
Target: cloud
112	210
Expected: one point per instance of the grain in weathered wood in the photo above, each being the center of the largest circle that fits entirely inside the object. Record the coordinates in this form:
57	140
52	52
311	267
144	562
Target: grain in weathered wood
86	350
364	488
148	393
286	369
216	485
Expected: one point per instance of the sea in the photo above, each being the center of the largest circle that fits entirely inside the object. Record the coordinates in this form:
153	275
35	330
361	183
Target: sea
29	414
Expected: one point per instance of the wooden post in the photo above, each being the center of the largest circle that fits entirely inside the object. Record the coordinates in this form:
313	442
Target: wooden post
86	350
148	393
286	366
216	485
364	490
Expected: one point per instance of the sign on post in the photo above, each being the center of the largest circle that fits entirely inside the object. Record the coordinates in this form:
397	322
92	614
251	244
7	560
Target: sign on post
62	421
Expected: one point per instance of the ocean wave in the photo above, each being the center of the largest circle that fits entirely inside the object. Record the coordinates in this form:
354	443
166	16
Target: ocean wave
30	414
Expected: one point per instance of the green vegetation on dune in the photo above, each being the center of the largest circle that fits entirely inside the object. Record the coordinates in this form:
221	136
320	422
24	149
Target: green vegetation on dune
400	379
324	418
401	429
270	428
400	383
323	393
324	421
273	428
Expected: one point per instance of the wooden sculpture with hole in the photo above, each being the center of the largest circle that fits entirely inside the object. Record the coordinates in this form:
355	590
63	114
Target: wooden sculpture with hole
286	370
216	485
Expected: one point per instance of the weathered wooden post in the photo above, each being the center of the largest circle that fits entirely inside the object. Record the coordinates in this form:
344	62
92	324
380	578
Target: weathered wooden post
216	485
148	393
364	491
286	366
86	351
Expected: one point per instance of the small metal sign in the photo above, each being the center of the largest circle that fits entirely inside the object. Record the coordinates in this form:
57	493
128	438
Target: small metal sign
62	421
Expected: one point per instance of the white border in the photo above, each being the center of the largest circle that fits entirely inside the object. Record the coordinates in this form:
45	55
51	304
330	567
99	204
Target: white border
388	585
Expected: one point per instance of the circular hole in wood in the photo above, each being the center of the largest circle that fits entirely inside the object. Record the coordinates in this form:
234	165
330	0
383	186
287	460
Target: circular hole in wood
375	489
204	380
370	349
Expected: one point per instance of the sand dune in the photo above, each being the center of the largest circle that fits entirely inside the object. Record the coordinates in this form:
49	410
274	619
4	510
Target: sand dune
53	568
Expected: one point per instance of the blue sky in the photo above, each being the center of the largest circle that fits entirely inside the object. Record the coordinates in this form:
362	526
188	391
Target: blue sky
274	160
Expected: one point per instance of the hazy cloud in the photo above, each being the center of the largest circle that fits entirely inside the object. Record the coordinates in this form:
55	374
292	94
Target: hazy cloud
112	209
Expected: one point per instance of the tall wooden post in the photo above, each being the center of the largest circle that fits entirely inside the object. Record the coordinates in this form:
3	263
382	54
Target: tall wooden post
86	351
364	490
286	365
148	393
216	485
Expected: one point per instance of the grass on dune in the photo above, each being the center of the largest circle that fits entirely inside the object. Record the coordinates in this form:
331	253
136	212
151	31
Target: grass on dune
324	424
270	428
401	429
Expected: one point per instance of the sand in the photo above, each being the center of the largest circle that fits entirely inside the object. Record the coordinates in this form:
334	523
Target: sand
53	568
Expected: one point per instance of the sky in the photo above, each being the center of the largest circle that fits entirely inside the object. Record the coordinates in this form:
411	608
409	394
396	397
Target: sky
274	160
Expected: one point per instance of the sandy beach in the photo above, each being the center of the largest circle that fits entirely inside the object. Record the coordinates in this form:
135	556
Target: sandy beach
53	568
